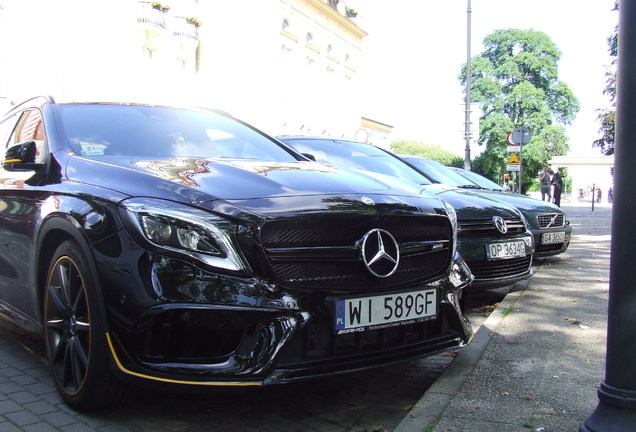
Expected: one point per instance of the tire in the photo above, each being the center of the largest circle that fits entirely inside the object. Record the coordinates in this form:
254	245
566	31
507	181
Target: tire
74	332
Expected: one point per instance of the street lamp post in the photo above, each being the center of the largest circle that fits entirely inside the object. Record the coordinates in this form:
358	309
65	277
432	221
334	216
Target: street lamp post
468	79
616	409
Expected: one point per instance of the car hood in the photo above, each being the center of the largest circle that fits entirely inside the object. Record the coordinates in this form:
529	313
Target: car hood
253	183
467	205
470	206
522	202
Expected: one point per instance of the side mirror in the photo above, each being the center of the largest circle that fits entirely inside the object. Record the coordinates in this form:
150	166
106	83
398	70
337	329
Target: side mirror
22	157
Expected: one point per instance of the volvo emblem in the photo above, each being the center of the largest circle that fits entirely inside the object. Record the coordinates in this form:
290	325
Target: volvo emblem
500	224
367	200
380	253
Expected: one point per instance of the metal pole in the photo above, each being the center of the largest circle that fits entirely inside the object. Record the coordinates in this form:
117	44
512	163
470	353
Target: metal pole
520	161
616	409
468	79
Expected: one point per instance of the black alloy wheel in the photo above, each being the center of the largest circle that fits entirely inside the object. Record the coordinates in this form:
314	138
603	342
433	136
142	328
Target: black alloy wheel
75	334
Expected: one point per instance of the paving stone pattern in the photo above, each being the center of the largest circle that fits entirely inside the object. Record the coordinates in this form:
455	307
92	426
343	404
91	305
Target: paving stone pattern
369	401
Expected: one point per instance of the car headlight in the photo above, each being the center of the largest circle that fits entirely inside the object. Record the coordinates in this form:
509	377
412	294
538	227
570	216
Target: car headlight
184	231
452	215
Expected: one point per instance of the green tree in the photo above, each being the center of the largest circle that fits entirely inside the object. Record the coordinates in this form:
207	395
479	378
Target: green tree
515	80
431	151
606	117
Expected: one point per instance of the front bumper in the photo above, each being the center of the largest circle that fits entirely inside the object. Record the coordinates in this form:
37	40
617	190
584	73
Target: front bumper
497	273
279	338
543	250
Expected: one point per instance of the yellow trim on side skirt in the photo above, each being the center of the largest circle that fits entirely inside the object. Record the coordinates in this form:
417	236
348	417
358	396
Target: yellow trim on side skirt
207	383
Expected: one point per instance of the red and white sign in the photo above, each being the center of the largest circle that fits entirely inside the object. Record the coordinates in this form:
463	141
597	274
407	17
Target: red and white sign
512	146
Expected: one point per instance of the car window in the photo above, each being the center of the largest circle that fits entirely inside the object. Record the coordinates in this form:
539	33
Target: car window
357	156
480	180
6	129
440	172
95	130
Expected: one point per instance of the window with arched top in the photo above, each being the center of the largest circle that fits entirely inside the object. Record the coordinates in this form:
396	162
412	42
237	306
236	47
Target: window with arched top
309	38
285	24
148	52
329	49
285	50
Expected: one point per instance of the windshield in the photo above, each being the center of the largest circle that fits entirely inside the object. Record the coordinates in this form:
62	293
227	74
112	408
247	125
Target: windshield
357	156
439	172
479	180
102	130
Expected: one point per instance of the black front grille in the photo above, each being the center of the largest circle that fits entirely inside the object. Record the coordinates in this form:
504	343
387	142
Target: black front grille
551	220
487	227
336	275
500	268
346	231
190	336
325	253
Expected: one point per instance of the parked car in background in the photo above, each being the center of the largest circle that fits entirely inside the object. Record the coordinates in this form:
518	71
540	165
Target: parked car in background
547	222
492	238
181	247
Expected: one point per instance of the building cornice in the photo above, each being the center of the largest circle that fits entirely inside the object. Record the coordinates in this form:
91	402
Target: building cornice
338	17
566	161
374	124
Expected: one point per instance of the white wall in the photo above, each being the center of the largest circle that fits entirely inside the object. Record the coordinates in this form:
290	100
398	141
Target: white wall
89	49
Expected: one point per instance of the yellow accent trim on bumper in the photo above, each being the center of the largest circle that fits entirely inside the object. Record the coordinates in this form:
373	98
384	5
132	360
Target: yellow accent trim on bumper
166	380
12	160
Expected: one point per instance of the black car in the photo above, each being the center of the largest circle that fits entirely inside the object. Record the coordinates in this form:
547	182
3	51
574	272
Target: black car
547	222
182	247
492	236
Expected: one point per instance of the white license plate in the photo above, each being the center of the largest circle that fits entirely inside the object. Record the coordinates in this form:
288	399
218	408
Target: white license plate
553	237
506	250
385	310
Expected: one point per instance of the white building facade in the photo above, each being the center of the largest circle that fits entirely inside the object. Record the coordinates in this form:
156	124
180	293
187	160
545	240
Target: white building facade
286	66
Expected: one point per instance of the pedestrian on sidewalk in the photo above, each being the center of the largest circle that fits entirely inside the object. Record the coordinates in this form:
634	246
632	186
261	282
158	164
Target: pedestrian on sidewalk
557	183
544	179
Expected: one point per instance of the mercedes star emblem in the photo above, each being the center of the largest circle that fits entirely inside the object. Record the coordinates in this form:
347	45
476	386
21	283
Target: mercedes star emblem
380	253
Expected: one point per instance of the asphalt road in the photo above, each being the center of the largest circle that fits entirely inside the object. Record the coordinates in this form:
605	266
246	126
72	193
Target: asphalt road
370	401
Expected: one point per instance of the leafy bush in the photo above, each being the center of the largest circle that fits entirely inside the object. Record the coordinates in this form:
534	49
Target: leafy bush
431	151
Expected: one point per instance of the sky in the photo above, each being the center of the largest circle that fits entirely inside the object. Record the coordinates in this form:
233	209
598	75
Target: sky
415	49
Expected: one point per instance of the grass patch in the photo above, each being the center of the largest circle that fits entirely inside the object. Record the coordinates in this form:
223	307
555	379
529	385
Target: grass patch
530	424
507	311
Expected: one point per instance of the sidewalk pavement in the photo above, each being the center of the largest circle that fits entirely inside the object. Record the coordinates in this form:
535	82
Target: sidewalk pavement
535	364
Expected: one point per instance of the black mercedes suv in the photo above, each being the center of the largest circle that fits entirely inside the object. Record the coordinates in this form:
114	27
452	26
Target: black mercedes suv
182	247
